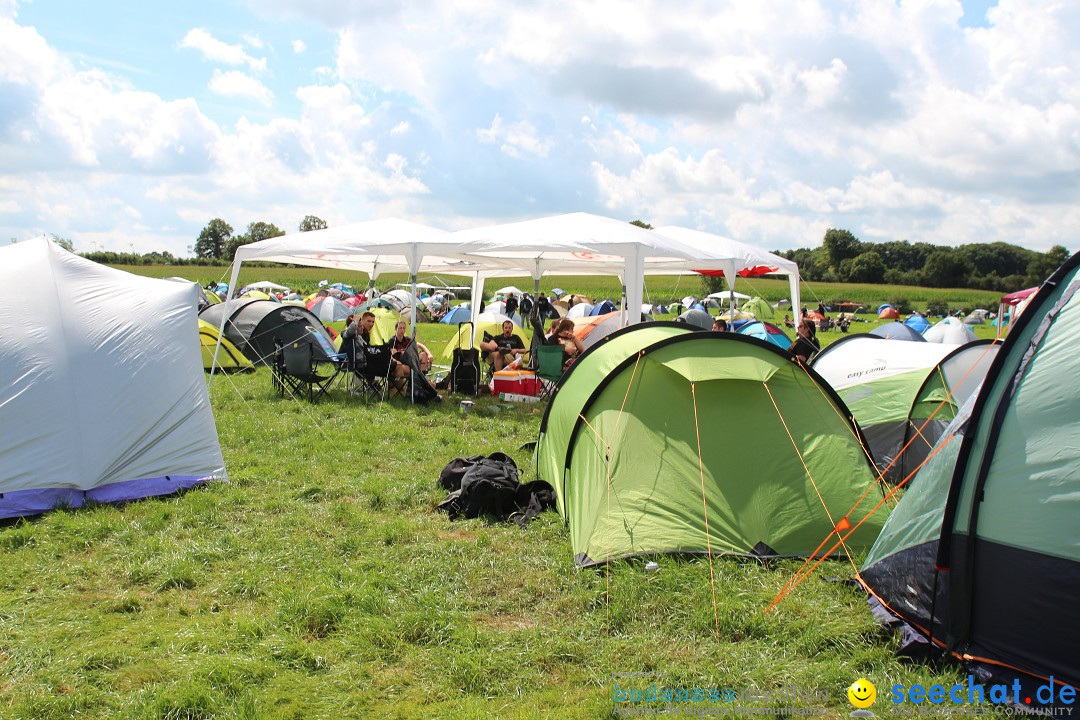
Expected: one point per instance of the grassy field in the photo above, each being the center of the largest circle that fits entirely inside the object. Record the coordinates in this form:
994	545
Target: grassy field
321	582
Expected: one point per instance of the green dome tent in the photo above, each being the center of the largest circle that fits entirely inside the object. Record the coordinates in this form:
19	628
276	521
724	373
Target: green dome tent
574	387
983	555
902	393
643	461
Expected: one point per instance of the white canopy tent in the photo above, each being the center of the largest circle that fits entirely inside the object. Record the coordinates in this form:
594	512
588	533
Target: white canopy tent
728	295
576	243
374	246
717	252
264	285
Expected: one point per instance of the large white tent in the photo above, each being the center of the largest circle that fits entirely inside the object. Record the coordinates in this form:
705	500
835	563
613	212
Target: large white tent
577	243
717	252
374	246
574	243
102	400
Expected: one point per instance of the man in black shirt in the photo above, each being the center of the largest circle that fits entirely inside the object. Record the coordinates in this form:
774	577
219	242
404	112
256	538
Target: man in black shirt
502	350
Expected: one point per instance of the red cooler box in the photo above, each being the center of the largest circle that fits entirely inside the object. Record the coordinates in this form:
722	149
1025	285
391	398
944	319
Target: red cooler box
530	384
520	382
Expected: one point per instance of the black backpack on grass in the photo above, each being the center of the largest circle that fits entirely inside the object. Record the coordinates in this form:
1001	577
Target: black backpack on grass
489	486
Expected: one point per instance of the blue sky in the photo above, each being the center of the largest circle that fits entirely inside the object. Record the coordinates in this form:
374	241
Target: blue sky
128	125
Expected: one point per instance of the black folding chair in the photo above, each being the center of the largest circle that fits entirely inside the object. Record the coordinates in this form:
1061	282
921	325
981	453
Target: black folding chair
371	367
297	369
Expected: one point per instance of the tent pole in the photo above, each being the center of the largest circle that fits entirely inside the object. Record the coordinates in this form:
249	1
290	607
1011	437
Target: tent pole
237	262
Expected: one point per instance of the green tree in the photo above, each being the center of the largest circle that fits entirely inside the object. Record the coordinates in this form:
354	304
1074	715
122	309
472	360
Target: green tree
256	231
997	258
867	267
214	239
946	268
311	222
641	224
62	242
1043	265
840	245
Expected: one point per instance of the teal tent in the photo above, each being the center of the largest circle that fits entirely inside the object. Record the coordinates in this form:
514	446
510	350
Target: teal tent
982	556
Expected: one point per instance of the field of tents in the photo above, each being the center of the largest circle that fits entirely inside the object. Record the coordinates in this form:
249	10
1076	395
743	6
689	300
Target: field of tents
693	473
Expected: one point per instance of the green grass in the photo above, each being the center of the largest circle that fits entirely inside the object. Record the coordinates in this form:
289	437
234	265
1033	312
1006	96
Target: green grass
320	582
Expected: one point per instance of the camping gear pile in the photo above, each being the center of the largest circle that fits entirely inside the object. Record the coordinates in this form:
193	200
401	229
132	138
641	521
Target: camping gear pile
488	486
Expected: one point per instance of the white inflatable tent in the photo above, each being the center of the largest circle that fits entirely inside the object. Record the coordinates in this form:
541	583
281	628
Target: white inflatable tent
102	394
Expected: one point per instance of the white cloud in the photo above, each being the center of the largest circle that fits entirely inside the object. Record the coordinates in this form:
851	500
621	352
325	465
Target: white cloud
766	122
237	84
217	51
515	139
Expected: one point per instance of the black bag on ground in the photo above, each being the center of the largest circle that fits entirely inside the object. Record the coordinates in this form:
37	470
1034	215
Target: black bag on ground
489	486
465	367
451	475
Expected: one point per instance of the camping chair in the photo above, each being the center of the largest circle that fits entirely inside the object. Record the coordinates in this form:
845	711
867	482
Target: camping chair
371	367
549	368
296	370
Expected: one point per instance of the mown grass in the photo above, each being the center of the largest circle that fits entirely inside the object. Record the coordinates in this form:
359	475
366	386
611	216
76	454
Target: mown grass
321	582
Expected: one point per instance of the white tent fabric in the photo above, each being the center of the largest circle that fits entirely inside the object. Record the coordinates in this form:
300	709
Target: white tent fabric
375	246
861	359
728	295
510	290
577	243
579	311
593	329
717	252
400	297
951	331
101	400
264	285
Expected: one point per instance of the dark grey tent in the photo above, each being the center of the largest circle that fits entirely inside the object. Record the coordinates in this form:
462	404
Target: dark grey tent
982	555
254	326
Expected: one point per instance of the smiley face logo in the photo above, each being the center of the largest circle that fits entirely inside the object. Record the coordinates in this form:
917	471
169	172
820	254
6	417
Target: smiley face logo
862	693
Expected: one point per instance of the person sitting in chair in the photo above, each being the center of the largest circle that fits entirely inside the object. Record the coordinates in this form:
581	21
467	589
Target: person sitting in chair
562	333
401	340
359	328
502	350
398	344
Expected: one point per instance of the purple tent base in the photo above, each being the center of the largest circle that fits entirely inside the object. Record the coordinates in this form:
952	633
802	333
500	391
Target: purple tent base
35	502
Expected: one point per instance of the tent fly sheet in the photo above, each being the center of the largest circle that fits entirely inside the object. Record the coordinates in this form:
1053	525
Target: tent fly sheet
102	401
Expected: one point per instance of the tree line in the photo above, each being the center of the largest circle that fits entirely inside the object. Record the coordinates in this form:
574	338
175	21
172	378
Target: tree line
216	241
998	266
